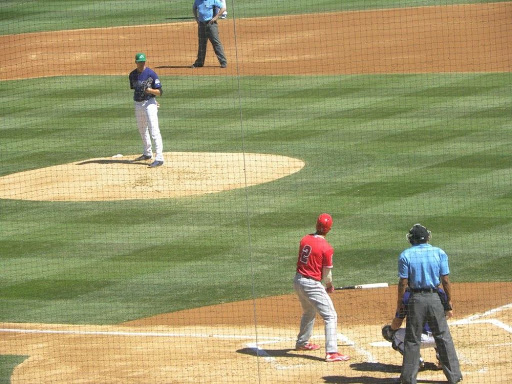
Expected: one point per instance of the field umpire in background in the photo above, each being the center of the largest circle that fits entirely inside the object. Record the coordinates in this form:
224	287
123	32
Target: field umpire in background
422	268
206	13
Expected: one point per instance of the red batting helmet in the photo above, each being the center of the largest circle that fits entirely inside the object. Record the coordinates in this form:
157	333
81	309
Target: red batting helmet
324	223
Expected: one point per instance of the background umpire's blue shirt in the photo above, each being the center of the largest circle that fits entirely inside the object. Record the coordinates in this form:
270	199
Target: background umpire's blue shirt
423	265
205	8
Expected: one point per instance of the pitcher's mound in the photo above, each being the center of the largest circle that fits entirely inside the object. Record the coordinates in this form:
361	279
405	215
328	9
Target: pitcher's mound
124	178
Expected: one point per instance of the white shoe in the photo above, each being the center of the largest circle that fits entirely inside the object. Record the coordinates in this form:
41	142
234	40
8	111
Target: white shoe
224	15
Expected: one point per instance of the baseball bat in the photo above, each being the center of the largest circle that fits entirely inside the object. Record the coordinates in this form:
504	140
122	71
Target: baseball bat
363	286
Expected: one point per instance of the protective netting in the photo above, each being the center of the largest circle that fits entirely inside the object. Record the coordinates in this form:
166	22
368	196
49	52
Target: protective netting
382	113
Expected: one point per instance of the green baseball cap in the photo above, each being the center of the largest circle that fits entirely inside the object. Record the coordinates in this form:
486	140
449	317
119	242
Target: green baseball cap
140	57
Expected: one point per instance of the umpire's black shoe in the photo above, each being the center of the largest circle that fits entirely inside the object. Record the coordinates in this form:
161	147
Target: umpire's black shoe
195	66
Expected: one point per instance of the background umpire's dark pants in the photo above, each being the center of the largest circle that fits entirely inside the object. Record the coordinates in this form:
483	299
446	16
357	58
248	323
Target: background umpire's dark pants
210	32
423	307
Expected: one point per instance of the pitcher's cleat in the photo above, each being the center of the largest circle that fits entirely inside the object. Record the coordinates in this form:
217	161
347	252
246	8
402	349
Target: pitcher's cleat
156	163
143	157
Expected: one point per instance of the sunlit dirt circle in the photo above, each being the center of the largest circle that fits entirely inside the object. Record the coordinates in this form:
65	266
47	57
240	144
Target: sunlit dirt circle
123	178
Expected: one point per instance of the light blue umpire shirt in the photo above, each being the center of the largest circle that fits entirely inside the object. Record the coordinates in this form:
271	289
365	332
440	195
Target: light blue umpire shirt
205	9
423	265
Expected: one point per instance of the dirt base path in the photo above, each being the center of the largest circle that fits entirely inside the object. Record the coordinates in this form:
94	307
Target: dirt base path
221	344
460	38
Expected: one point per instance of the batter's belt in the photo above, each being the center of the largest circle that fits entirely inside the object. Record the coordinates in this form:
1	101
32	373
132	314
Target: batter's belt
307	277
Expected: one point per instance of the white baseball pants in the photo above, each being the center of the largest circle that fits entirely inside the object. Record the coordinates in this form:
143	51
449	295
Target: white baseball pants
146	113
314	299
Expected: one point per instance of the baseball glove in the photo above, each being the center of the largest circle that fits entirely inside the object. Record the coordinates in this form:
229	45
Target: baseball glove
388	333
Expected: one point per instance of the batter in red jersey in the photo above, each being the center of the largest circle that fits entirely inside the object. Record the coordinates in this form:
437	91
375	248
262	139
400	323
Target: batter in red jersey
314	267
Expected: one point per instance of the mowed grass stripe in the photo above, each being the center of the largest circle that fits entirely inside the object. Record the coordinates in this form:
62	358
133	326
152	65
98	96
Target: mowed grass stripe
381	152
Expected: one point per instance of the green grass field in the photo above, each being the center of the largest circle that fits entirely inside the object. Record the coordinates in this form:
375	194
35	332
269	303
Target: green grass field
382	152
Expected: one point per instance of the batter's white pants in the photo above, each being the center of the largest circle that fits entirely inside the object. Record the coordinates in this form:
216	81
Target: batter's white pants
146	113
314	299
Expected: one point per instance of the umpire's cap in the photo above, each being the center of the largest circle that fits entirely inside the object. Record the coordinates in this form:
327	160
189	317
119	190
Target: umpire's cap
418	234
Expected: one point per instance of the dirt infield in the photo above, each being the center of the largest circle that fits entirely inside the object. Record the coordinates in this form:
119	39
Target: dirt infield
460	38
250	342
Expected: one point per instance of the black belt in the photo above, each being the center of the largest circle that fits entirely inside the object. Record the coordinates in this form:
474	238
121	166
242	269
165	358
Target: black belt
426	290
206	22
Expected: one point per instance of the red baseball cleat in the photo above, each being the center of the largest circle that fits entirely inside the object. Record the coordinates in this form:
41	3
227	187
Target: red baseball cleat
335	356
307	347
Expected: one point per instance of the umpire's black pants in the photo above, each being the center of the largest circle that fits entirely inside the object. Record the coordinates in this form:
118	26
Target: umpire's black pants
423	307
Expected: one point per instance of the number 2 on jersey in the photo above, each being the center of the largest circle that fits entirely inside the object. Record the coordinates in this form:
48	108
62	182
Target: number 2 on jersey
304	254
